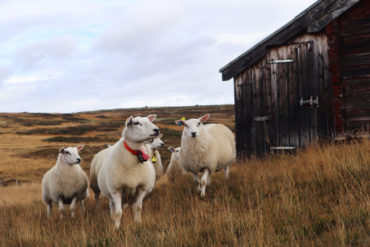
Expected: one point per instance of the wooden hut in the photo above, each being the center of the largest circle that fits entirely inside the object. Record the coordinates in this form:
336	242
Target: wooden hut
307	81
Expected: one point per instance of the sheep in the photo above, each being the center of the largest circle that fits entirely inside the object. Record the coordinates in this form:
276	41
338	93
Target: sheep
127	174
66	182
95	166
206	149
151	147
174	169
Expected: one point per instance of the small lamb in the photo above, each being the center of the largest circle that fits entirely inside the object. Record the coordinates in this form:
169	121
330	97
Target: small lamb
127	173
66	182
206	148
151	148
174	169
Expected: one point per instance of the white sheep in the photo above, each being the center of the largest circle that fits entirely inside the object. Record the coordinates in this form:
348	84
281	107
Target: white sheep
66	182
127	174
96	164
206	148
151	148
174	169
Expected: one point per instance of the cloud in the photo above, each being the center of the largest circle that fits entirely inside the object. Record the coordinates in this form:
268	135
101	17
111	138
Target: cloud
141	26
84	55
45	52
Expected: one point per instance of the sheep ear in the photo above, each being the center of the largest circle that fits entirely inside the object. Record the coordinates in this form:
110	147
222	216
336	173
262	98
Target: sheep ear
204	118
80	147
129	121
180	122
171	149
152	117
160	136
61	150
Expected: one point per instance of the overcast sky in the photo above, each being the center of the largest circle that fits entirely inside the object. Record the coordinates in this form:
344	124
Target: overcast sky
77	55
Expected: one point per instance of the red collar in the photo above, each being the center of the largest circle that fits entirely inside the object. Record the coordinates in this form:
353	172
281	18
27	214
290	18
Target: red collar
142	156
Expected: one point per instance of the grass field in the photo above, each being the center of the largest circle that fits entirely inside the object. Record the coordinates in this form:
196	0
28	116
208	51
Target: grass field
317	197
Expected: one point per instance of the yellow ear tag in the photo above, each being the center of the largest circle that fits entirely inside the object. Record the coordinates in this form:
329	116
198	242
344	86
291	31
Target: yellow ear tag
183	118
154	159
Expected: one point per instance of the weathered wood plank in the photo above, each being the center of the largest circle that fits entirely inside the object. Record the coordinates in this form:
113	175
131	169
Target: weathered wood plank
355	44
313	88
274	100
293	107
356	72
356	59
259	111
282	100
305	92
248	112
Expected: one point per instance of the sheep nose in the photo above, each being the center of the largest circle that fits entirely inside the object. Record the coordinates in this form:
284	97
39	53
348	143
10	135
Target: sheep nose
156	131
193	134
78	160
162	145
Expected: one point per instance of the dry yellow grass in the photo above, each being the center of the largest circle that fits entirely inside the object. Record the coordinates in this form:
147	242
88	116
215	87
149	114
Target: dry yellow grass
319	197
24	194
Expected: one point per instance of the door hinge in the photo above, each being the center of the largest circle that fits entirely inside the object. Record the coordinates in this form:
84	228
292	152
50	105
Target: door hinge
281	61
261	119
310	102
283	148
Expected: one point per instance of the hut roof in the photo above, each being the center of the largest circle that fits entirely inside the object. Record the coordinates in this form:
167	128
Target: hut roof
311	20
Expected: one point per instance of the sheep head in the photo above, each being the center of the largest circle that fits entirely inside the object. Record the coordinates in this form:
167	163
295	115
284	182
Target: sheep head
140	129
194	126
70	155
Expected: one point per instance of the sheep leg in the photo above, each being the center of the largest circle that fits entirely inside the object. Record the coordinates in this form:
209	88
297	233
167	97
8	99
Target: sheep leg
197	182
73	206
227	172
118	205
48	209
82	202
203	182
111	208
97	194
138	205
61	208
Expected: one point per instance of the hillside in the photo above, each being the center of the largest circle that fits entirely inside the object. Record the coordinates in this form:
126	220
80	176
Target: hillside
29	142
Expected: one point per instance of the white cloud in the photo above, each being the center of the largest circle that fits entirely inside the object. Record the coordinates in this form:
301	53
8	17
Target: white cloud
68	56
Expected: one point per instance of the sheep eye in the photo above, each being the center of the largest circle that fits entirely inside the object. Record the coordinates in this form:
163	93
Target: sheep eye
67	153
186	126
136	123
198	124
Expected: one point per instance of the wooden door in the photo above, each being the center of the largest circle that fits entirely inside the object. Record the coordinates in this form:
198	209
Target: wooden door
286	106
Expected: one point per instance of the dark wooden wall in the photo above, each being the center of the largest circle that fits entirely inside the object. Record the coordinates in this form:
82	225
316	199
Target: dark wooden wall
349	42
268	113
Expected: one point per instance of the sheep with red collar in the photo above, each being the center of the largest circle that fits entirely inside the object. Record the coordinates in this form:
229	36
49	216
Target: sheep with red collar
174	169
206	149
151	147
66	182
127	174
